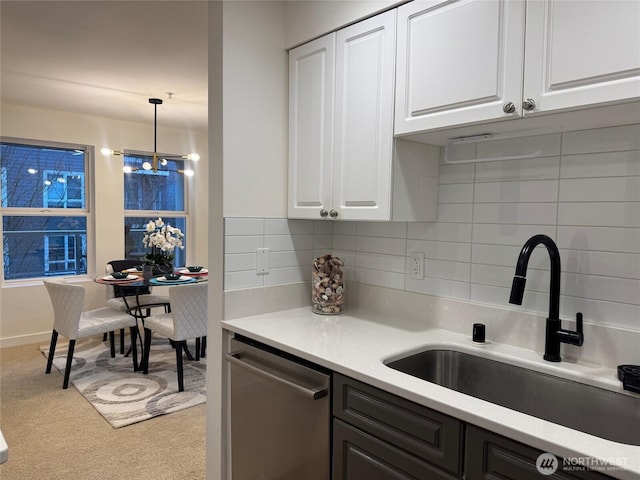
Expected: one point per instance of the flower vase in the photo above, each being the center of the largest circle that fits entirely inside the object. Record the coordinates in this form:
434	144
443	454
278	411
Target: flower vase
162	268
327	285
147	271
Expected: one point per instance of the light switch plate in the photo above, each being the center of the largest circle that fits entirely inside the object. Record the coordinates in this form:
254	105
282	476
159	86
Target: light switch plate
262	261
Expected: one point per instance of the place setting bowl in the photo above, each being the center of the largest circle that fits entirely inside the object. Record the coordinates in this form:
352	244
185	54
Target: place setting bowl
194	270
117	277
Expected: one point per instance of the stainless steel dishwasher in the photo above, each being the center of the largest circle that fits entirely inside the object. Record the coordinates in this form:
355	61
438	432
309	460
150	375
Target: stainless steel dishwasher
280	415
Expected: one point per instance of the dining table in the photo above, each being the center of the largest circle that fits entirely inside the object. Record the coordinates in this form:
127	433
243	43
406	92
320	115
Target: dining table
138	282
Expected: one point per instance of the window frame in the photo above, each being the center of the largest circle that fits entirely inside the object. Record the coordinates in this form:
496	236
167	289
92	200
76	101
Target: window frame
87	212
154	214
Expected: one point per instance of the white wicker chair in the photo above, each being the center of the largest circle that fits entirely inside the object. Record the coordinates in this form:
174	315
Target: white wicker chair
70	321
187	319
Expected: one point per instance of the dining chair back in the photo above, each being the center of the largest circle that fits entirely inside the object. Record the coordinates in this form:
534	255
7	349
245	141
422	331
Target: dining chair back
187	320
124	291
118	293
138	300
72	322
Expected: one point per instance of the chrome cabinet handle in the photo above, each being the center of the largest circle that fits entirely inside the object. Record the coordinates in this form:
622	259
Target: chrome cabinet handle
333	214
311	393
529	104
509	107
324	213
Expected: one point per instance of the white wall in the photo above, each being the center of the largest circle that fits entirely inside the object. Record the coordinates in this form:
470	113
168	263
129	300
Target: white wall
255	109
216	375
23	325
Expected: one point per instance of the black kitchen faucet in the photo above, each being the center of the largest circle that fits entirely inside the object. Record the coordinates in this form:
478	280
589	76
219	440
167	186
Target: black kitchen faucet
555	334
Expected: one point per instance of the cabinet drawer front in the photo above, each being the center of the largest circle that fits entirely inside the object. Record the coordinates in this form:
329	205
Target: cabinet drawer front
425	433
489	456
358	456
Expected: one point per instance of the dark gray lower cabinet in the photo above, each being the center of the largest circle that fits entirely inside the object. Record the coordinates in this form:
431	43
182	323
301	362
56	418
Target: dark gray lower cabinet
489	456
360	456
379	436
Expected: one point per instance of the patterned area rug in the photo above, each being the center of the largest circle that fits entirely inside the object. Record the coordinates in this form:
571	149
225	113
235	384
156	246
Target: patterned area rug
124	397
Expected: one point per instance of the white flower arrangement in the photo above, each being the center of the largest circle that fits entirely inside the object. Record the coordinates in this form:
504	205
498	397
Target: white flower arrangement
163	239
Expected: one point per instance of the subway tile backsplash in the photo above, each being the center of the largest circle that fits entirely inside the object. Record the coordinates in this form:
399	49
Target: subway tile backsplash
583	191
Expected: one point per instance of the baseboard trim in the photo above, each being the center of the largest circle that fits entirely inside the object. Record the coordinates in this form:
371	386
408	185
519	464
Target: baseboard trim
25	339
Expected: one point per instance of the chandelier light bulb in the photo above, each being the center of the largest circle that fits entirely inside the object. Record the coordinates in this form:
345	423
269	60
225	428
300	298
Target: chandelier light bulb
193	156
163	162
147	166
109	151
189	173
127	169
32	171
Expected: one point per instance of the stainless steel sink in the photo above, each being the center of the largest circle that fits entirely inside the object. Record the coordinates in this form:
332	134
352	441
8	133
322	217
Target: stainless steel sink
596	411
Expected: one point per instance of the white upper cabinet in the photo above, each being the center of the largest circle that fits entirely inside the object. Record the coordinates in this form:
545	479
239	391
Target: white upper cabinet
581	53
342	157
363	128
458	62
311	87
472	61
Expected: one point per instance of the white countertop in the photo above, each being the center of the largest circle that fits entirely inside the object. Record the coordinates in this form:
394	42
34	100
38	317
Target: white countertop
357	343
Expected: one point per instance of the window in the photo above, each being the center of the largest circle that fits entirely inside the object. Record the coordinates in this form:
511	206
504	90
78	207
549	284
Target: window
44	209
65	189
149	195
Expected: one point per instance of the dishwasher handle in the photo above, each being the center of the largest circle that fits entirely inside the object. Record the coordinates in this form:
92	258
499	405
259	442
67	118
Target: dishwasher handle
311	393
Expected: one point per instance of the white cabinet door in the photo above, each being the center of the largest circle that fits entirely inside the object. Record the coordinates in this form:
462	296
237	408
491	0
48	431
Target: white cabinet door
458	62
311	97
581	53
363	138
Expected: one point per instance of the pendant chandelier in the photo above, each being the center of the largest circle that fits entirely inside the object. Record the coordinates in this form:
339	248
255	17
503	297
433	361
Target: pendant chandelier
157	161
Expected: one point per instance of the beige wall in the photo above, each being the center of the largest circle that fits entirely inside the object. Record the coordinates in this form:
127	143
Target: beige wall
25	311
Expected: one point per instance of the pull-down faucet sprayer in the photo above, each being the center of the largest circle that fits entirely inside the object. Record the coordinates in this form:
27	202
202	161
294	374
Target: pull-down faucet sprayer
554	333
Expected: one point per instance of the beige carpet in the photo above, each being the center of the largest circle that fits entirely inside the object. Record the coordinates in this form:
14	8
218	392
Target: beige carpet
124	397
55	434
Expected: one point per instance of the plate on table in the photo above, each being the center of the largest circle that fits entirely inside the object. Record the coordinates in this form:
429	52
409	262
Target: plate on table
164	281
133	270
109	278
185	271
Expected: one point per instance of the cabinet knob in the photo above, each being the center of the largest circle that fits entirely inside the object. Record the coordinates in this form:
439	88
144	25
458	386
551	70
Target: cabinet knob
324	213
509	107
529	104
333	214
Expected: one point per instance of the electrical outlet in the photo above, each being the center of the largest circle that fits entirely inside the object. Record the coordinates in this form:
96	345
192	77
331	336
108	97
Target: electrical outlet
416	265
